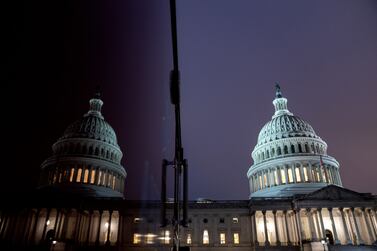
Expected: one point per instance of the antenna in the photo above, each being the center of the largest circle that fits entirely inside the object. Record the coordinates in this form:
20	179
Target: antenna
179	164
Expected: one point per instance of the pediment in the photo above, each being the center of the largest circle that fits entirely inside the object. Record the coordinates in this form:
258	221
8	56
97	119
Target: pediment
332	192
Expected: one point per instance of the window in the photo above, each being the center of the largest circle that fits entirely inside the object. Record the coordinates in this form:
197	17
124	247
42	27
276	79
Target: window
260	181
236	238
285	149
86	175
205	237
137	239
235	220
188	240
205	220
279	150
290	175
282	174
292	149
71	174
166	239
306	178
150	238
276	177
222	238
78	177
298	176
137	220
222	220
92	176
299	148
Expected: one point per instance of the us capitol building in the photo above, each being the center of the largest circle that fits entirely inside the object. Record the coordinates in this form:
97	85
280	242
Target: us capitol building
296	202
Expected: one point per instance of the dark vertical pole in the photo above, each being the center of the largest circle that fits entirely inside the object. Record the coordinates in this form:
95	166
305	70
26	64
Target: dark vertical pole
163	193
179	163
185	193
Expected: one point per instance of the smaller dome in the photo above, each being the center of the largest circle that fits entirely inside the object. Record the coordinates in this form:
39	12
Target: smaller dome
86	160
92	126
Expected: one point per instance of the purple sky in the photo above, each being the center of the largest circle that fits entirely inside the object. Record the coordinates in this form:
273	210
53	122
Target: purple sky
324	55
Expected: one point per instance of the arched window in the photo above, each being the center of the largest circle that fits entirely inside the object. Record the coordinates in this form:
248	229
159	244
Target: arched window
273	152
299	148
285	149
205	237
97	151
292	149
262	155
279	151
267	154
306	148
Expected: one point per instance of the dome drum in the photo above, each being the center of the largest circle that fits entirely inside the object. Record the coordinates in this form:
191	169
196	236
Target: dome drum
286	147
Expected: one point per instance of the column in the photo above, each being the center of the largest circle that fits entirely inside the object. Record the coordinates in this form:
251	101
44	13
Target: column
293	167
266	240
286	226
348	239
318	232
369	213
302	173
97	176
310	175
99	227
337	175
336	240
311	224
254	228
56	222
371	237
321	221
357	227
45	224
298	223
276	228
109	228
89	227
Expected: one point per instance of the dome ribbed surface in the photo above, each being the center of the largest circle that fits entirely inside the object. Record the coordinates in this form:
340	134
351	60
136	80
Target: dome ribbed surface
92	127
285	126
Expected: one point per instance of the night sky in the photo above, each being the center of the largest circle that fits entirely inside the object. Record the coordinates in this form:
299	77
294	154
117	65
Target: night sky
323	54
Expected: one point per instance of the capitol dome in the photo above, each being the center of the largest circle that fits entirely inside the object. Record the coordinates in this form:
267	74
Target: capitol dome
86	160
289	157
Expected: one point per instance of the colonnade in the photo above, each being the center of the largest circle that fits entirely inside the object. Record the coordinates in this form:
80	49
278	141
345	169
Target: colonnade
294	173
79	227
338	226
87	175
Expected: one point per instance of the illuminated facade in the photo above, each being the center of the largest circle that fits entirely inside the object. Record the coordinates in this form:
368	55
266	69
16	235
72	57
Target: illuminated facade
296	200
